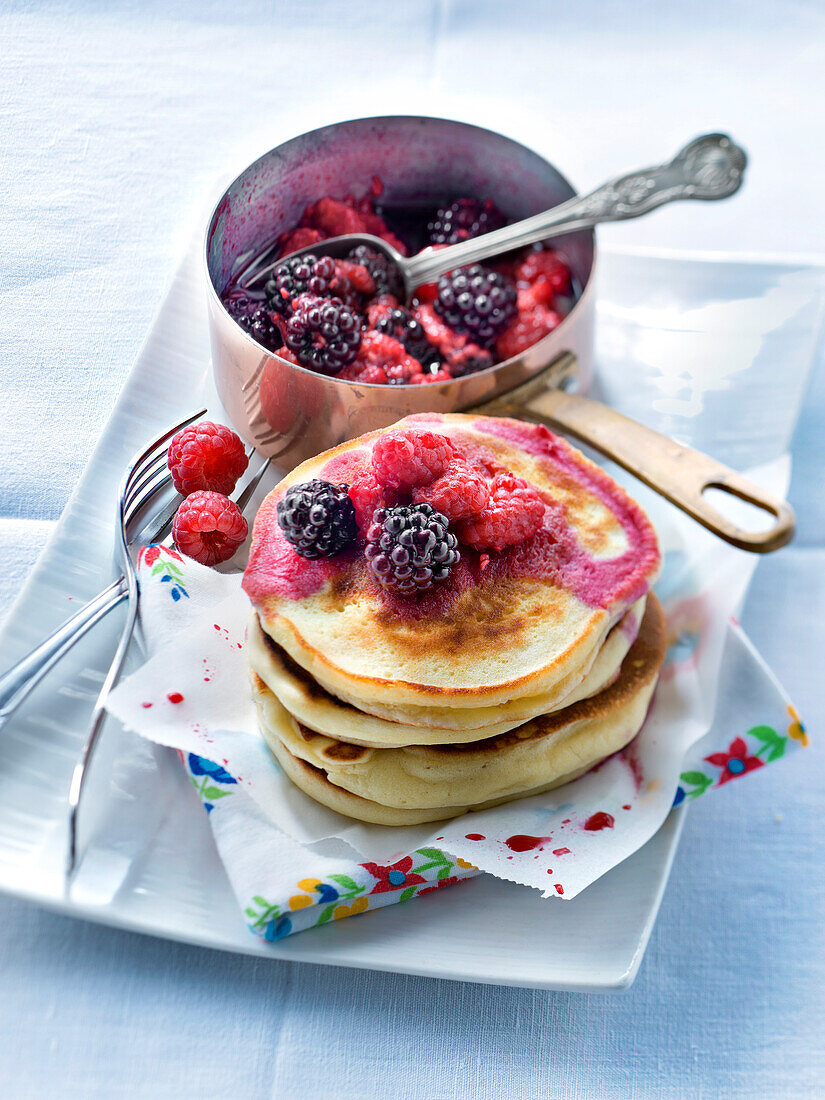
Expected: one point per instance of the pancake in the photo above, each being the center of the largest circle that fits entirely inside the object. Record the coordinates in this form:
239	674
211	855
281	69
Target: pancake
313	781
428	783
529	622
316	708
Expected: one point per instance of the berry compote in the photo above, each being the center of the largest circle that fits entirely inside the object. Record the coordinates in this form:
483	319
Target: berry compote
346	317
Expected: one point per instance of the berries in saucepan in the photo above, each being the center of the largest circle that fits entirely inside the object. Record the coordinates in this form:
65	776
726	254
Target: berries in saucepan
318	518
323	333
209	527
463	219
410	549
298	275
384	274
261	327
477	301
399	323
206	456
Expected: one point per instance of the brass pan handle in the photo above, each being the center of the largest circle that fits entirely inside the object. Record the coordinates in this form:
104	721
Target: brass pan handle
676	472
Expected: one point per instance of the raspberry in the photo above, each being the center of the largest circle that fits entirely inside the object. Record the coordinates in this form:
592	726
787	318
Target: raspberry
544	265
356	275
296	239
383	273
405	459
206	456
317	518
368	374
528	328
410	549
441	374
299	275
378	350
477	301
334	217
514	513
209	527
465	218
366	495
323	333
462	491
406	373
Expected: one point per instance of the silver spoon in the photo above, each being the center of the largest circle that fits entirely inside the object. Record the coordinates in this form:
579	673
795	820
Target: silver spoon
710	167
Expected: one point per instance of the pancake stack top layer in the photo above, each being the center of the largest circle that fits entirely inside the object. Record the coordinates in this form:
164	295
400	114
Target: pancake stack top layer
311	704
521	624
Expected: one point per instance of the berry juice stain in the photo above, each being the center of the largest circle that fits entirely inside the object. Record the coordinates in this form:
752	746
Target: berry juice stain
522	842
599	821
559	888
175	697
561	851
475	836
634	765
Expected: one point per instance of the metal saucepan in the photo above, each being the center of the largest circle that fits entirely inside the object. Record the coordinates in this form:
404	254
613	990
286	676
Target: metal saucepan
291	413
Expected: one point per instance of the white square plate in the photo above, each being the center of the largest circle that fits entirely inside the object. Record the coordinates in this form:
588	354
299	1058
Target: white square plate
670	348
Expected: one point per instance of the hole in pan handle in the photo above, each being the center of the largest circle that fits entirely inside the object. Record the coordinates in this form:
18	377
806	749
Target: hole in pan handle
676	472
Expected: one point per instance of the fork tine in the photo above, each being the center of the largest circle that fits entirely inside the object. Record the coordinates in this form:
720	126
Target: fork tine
159	481
246	495
159	527
148	471
139	460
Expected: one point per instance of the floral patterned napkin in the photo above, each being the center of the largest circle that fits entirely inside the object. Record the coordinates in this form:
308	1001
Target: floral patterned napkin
291	869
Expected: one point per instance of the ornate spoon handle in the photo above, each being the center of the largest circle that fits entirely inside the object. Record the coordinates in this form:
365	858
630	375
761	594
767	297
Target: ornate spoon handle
711	167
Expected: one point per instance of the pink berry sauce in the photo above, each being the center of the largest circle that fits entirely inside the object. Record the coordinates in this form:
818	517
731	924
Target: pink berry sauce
276	569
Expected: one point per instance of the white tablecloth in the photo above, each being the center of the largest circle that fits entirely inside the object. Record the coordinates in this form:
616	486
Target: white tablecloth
115	121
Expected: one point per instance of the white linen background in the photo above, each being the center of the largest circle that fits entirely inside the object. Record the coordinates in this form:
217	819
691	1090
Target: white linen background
115	121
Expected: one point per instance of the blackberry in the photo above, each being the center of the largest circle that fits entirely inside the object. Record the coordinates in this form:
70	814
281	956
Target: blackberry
323	333
464	219
410	548
384	274
477	301
399	323
261	327
317	518
238	303
299	275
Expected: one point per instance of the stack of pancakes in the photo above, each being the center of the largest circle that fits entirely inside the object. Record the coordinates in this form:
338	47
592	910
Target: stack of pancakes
527	670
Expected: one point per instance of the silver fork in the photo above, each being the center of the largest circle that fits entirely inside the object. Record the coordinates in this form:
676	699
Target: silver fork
146	483
145	478
142	481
